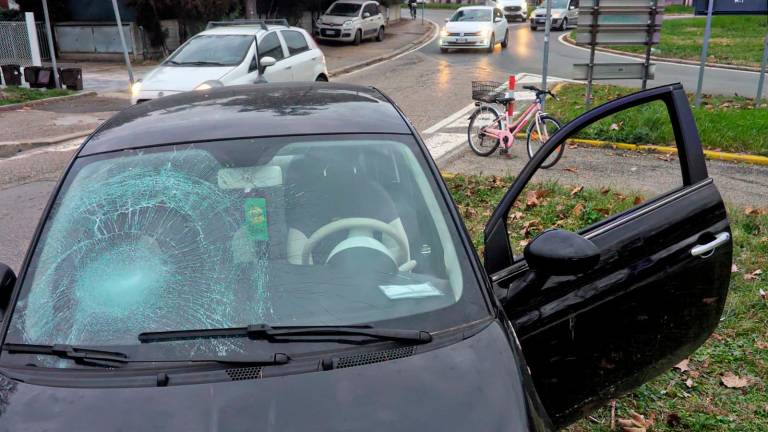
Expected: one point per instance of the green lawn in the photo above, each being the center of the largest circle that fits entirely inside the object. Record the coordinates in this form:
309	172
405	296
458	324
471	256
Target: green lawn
12	95
739	346
736	40
678	10
727	123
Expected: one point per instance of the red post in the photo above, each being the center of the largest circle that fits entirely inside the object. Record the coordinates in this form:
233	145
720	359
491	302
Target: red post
511	106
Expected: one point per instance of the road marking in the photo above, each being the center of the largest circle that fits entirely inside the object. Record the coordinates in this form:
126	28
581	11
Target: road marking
435	33
653	60
450	119
441	144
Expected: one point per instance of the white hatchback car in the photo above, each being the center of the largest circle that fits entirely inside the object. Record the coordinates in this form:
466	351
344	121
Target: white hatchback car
351	21
232	53
475	27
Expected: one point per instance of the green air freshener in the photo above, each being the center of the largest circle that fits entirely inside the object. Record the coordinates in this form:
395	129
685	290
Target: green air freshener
256	218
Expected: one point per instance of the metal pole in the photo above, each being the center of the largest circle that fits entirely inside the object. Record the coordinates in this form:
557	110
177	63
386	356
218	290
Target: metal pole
34	44
422	11
545	66
50	44
704	49
649	41
592	45
761	81
122	40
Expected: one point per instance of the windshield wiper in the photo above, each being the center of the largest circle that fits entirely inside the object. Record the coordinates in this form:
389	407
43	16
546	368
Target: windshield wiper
266	332
201	63
78	354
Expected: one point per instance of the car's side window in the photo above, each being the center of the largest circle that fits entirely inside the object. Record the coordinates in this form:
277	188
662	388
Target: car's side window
270	47
295	42
576	194
497	14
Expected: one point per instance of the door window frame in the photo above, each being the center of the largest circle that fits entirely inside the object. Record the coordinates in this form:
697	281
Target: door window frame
285	45
499	259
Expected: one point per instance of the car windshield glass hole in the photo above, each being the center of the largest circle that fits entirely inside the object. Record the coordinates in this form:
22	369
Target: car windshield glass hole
224	50
298	232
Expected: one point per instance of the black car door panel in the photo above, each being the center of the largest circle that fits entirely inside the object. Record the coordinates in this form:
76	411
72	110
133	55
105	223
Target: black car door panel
655	296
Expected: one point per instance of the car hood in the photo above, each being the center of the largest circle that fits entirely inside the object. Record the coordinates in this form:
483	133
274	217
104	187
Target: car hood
182	78
335	19
475	384
503	3
543	11
457	26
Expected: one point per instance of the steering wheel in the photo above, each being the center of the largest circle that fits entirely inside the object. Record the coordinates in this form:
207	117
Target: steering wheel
367	224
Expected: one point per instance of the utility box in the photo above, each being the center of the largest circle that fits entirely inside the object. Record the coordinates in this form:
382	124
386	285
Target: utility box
732	7
11	74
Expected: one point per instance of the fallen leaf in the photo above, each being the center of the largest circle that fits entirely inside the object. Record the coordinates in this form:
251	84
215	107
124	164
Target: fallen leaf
496	181
763	295
682	366
752	211
693	374
717	337
517	216
573	146
614	126
761	344
733	381
734	268
673	420
571	169
637	423
605	190
576	190
577	209
665	157
753	275
689	383
523	243
637	200
533	198
619	196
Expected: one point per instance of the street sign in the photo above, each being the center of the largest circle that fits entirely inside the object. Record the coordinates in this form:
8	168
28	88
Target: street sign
638	19
606	4
609	71
732	7
618	37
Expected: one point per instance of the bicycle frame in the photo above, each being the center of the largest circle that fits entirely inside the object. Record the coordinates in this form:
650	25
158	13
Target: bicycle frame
506	135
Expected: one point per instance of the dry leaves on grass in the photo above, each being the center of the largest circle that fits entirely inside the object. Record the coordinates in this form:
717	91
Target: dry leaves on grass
753	275
534	198
604	190
752	211
683	366
734	381
734	268
636	423
571	169
577	209
496	181
761	345
638	200
576	190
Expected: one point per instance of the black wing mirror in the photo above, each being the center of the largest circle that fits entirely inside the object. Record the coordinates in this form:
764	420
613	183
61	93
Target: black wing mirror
7	282
561	253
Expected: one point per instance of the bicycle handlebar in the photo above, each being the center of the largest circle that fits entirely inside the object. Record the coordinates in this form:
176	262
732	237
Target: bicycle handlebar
540	92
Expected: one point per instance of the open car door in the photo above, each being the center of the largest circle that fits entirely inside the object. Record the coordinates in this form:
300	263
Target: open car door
603	310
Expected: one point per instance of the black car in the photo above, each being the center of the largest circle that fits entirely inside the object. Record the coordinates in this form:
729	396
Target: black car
287	258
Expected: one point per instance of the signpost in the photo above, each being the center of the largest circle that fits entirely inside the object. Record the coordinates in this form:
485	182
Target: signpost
729	7
617	22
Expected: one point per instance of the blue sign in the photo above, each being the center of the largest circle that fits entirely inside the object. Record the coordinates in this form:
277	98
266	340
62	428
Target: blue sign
732	7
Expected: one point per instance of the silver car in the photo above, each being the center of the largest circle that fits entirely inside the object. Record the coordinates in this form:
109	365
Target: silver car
351	21
564	14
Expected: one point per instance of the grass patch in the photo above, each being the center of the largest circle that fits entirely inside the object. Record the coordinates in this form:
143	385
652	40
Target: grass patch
736	40
739	346
678	10
729	123
13	95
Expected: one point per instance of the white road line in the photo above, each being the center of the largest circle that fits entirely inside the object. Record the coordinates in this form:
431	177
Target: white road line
450	119
653	60
441	143
436	31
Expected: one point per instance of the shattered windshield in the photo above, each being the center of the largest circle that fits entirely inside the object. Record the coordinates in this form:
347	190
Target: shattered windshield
281	231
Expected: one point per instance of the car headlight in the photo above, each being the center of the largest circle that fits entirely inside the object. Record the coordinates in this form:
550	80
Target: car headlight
444	32
136	88
347	24
319	20
209	85
485	33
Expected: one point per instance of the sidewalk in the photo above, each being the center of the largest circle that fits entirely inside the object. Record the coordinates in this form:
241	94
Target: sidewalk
36	126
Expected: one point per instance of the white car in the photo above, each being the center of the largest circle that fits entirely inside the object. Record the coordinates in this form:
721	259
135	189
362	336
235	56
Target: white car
232	53
514	9
351	21
475	27
565	13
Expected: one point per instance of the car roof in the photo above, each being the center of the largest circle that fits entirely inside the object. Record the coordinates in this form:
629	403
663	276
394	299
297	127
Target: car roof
355	1
249	111
477	7
244	29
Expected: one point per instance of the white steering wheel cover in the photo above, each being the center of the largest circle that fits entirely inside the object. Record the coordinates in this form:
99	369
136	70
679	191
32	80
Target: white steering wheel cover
352	223
361	241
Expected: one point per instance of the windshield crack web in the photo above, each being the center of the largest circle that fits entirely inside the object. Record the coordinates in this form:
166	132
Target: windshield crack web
146	242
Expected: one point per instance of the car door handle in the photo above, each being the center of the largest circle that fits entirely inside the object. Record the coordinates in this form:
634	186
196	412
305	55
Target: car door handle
288	67
706	250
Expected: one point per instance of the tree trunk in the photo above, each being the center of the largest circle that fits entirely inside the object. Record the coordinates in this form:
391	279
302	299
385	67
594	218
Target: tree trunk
250	9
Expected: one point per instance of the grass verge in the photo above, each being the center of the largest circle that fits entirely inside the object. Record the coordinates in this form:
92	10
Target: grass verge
13	95
736	40
678	10
692	400
727	123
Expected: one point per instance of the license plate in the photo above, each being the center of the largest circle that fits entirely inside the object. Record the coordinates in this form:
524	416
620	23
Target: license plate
461	40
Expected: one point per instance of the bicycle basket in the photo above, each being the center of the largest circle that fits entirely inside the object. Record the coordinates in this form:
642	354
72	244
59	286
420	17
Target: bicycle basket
487	91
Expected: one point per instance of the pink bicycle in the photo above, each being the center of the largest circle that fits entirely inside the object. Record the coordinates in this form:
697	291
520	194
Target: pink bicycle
488	127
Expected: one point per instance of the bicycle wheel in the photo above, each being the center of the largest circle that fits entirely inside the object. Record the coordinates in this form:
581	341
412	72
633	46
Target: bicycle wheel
480	143
537	137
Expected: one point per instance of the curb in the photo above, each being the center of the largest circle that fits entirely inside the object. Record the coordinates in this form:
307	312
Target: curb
375	60
709	154
10	148
567	39
14	107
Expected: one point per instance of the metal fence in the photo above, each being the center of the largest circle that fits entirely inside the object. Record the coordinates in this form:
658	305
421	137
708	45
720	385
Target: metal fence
14	43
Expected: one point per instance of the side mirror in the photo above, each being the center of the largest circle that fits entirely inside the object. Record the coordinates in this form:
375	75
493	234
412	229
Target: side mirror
497	20
366	15
266	62
7	282
447	19
561	253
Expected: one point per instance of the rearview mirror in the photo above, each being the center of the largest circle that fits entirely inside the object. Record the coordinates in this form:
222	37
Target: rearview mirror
7	282
266	62
497	20
561	253
366	15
